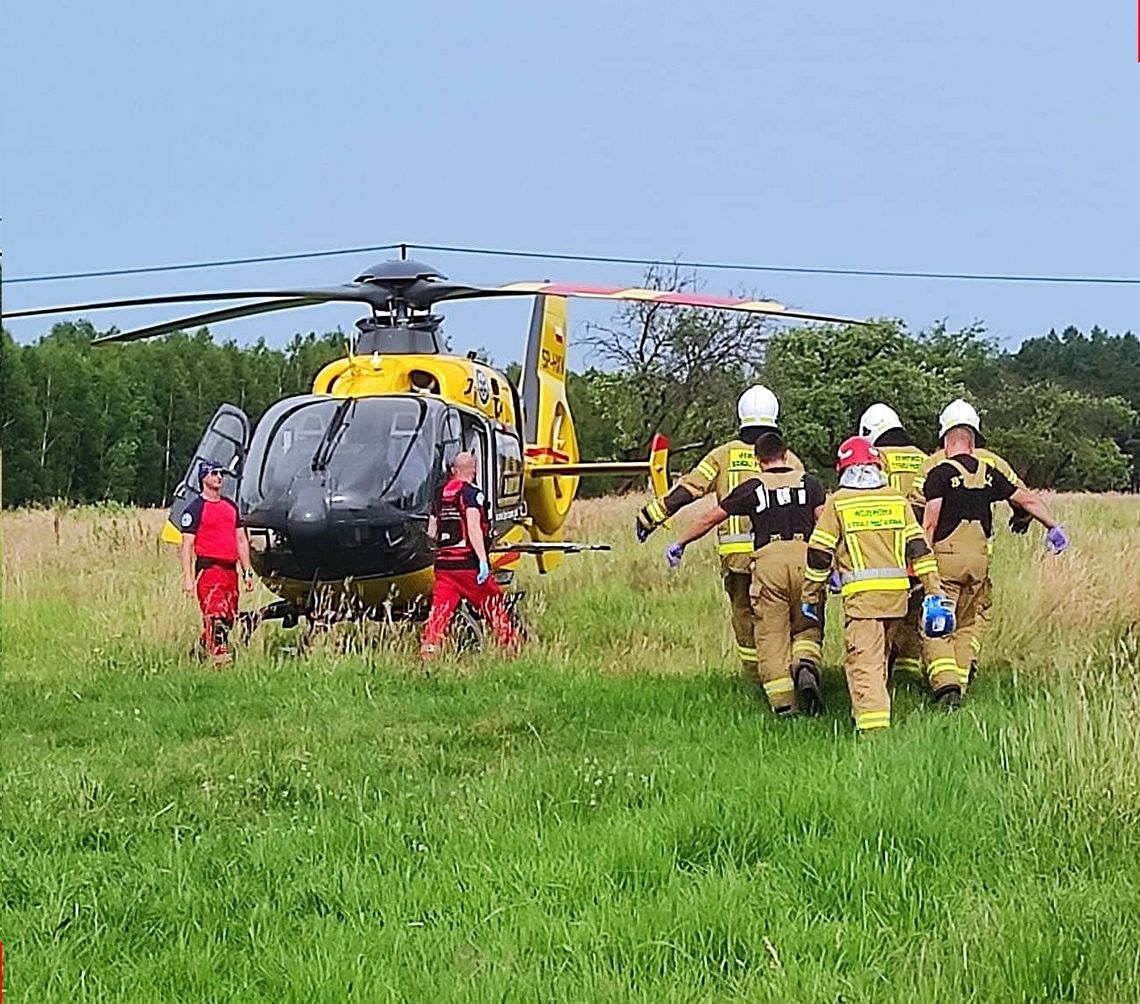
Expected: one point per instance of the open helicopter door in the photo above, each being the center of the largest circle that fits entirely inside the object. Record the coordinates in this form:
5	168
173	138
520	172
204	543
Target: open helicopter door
553	465
225	442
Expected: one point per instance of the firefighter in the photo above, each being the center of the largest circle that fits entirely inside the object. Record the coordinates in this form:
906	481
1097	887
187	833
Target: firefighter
723	470
214	549
459	527
1019	521
782	504
902	461
960	492
868	530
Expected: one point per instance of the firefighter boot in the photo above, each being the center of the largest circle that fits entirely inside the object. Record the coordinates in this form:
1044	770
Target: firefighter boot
806	678
949	698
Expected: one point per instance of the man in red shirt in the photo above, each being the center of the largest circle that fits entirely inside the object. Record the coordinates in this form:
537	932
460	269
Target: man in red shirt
214	548
459	526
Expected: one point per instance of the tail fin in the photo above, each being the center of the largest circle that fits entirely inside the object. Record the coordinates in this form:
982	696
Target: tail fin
659	465
548	425
552	461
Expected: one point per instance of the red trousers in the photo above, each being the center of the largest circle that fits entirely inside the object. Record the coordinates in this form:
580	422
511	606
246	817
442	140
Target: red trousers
455	584
217	588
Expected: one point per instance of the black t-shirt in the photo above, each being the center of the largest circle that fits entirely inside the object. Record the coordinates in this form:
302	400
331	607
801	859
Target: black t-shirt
777	512
961	503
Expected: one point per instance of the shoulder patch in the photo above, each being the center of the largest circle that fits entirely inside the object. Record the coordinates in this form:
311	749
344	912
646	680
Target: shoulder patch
187	519
480	498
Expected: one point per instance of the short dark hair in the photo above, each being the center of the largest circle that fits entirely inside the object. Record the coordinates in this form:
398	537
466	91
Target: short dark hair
751	434
770	446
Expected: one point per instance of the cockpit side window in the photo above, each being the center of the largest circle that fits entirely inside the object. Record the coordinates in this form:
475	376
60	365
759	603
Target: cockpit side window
510	464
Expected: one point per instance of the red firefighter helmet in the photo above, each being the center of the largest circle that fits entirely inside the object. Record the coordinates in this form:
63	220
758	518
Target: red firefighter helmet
857	450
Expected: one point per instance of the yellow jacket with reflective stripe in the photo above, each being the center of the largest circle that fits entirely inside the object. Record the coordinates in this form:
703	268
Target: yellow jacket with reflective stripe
938	456
723	469
902	465
871	536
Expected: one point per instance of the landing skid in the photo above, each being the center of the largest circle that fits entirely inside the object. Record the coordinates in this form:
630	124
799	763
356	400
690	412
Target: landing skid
468	629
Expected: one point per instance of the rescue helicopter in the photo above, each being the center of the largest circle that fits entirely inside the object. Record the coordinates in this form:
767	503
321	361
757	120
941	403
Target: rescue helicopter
335	487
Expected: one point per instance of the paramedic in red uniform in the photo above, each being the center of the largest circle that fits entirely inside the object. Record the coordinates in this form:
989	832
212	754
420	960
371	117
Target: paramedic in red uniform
214	549
459	527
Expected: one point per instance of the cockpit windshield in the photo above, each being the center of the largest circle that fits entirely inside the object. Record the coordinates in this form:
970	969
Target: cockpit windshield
365	451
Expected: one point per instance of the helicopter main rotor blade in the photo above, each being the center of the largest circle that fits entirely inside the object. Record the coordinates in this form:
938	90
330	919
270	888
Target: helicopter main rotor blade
636	294
353	292
197	320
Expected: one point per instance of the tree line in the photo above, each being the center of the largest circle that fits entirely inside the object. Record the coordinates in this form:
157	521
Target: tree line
86	424
1063	409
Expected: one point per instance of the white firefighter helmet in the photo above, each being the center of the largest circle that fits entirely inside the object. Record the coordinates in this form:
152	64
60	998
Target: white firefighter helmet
758	407
877	419
957	413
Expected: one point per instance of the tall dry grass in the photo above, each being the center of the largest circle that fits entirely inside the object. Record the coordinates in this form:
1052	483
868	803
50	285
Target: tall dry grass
611	816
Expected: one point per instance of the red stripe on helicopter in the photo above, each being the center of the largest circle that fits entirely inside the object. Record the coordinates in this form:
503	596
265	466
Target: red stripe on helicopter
503	560
546	451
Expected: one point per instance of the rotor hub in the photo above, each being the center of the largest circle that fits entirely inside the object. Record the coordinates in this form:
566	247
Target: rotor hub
397	273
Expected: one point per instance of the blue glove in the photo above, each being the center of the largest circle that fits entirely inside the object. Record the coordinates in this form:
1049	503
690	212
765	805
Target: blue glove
1057	539
484	573
673	554
834	583
937	617
643	532
810	611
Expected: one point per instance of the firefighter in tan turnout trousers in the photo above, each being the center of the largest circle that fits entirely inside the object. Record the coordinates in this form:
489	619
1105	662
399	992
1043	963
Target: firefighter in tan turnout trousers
1018	522
960	493
781	505
868	531
721	471
902	462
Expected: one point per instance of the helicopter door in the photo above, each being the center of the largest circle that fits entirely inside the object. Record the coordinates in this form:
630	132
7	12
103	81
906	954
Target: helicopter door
475	441
225	442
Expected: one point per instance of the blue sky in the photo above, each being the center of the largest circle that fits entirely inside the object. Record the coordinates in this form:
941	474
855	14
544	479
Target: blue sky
972	136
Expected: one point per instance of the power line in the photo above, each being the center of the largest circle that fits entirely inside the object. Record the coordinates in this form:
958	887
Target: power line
799	269
188	266
601	259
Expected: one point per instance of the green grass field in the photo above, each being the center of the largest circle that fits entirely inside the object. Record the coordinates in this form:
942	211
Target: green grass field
613	816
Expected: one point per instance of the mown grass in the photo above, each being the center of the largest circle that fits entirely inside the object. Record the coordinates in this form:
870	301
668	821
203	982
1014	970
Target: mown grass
611	816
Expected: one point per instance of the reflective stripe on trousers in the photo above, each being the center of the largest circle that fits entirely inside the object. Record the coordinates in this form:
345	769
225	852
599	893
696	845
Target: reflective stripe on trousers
862	580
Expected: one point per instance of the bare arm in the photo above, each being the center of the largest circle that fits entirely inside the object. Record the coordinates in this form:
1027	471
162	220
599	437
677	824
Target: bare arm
243	549
1031	502
243	556
432	527
475	533
930	517
186	555
702	525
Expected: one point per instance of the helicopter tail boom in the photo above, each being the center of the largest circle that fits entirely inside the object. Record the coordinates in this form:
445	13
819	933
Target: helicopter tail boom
656	467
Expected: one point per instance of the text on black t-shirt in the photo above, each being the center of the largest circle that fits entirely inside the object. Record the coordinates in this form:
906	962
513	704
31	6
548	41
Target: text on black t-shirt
961	501
778	511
